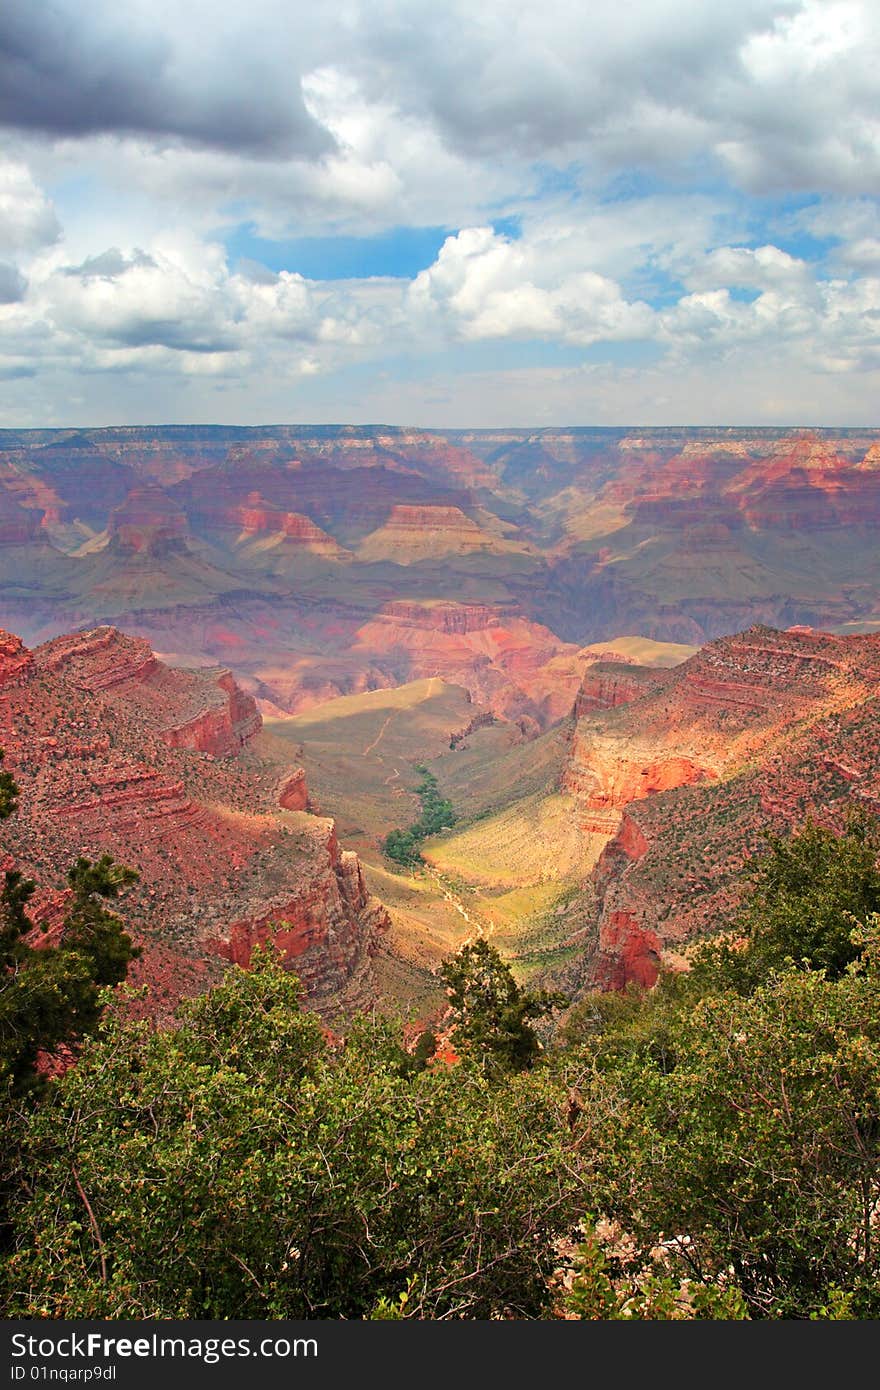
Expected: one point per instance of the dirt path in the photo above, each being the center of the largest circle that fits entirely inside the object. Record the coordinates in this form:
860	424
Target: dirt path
480	928
395	774
370	746
435	685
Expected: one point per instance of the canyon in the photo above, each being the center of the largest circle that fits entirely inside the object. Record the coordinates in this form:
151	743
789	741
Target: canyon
321	561
171	773
624	654
593	854
750	736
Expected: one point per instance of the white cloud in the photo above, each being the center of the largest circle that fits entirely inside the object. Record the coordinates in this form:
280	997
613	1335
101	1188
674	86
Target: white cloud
176	308
862	254
161	299
626	142
484	285
431	115
27	218
796	322
764	267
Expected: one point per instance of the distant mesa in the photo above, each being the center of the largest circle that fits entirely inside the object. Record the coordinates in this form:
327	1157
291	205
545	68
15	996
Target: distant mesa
225	721
18	525
318	560
258	520
640	651
449	617
509	664
871	461
414	533
148	522
607	684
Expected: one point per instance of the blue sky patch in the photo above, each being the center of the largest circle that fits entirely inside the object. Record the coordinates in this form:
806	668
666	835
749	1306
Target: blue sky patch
403	251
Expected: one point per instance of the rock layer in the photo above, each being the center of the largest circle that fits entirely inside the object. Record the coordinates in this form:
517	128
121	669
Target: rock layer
167	770
149	521
285	551
754	733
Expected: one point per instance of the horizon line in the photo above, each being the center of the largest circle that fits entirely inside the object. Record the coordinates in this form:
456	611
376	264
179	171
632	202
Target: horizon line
423	429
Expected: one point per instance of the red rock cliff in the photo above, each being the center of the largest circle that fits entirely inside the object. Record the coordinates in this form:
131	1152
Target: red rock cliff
84	721
15	659
754	731
222	727
148	521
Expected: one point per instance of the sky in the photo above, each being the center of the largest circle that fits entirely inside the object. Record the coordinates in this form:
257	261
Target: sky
509	213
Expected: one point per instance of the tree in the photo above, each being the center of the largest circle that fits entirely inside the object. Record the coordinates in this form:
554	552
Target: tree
238	1166
14	921
51	994
491	1011
8	792
758	1151
89	928
809	891
631	1022
402	846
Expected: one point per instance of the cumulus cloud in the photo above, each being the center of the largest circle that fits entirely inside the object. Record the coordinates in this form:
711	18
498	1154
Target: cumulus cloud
179	307
863	254
142	300
68	70
12	284
781	93
804	115
385	169
487	286
796	320
27	218
109	264
588	172
762	267
713	321
548	78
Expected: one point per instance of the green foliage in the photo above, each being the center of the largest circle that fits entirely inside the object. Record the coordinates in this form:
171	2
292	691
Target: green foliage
253	1025
237	1166
103	879
8	792
491	1011
393	1309
631	1022
726	1124
742	1100
808	892
437	814
611	1279
47	999
51	994
426	1046
16	893
757	1150
89	928
403	847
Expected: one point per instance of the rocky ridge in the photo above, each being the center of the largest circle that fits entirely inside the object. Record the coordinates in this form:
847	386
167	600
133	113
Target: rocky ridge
752	734
282	550
168	771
